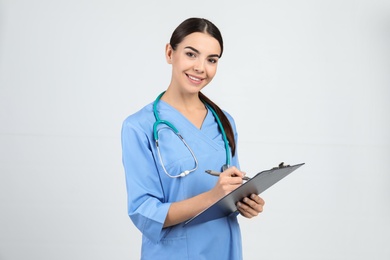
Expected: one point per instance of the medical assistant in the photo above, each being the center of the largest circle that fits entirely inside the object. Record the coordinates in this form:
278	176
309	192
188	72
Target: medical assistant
151	192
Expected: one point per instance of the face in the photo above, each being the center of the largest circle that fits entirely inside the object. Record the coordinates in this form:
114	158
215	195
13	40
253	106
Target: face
194	62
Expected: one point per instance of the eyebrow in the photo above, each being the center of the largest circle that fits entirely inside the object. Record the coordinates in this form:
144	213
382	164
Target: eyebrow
198	52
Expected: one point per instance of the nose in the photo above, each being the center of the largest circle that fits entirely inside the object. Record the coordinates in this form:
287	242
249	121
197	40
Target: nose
199	66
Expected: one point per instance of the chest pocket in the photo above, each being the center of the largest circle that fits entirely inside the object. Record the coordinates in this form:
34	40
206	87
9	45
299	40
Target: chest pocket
174	155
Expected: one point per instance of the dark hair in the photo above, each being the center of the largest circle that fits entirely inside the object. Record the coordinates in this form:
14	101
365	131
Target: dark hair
224	120
193	25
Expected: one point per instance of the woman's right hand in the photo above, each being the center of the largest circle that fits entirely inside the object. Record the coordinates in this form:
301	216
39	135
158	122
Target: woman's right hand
183	210
228	181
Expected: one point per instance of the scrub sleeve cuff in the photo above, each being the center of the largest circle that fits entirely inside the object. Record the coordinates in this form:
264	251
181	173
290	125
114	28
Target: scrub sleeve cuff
153	227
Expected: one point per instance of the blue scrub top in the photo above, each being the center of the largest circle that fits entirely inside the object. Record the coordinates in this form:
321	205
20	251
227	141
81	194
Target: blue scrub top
151	192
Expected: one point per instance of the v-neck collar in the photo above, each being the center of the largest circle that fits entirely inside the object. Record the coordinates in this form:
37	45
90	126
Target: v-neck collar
207	133
167	105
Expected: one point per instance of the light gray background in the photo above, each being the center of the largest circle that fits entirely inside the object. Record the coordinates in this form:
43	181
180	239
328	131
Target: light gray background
307	81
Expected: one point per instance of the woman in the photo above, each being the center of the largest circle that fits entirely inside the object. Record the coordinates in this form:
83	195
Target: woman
166	180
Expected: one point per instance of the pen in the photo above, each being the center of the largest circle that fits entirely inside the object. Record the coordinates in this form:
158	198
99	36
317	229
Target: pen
214	173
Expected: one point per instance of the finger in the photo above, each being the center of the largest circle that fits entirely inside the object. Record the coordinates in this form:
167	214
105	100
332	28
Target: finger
234	172
227	185
257	199
249	213
231	180
247	210
242	211
235	180
253	205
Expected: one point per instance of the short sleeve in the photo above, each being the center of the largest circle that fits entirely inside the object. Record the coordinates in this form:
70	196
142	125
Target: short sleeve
146	206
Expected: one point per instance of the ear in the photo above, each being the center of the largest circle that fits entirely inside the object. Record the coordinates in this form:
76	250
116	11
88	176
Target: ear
168	53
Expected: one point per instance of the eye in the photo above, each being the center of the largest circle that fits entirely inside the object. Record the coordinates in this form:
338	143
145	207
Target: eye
212	60
190	54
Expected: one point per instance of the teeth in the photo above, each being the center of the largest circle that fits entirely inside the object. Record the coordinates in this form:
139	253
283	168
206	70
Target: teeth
193	78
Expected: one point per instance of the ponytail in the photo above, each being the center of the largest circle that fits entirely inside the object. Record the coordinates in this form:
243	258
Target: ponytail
224	120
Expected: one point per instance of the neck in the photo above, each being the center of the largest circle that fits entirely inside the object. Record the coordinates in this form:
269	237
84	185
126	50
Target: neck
183	101
189	105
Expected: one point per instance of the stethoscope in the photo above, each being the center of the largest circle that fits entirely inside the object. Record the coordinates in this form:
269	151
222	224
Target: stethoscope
174	129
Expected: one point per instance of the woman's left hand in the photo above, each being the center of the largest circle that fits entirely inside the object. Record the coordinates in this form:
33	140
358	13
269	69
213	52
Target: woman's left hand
251	206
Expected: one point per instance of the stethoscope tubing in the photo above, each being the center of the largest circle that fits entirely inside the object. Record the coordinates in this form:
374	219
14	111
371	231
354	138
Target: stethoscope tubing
176	131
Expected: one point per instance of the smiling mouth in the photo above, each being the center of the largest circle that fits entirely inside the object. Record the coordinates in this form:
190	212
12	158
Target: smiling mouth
194	79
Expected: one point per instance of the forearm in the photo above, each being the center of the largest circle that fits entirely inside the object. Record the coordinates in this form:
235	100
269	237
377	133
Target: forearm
183	210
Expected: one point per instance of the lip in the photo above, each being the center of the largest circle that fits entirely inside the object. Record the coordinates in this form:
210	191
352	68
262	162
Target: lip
194	80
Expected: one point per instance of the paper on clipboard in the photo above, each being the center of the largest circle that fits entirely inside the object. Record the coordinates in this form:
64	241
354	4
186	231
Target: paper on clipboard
227	205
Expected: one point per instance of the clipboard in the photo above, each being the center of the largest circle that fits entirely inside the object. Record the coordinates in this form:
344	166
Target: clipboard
257	184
